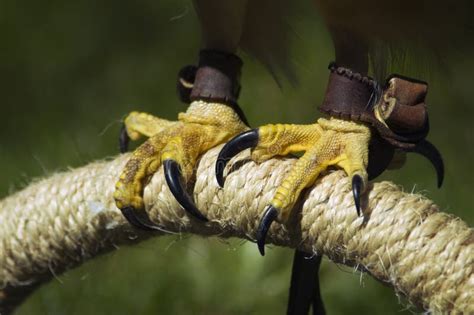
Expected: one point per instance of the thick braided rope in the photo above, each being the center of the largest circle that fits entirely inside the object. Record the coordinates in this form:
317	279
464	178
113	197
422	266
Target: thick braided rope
59	222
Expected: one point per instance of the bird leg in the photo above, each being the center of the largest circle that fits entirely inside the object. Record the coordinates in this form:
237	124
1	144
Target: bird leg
367	124
213	117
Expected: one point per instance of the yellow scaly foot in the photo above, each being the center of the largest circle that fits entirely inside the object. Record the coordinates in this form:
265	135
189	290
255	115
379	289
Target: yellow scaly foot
364	117
175	144
329	142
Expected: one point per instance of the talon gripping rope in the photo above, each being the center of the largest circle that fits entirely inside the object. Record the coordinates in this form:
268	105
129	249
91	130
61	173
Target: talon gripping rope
404	241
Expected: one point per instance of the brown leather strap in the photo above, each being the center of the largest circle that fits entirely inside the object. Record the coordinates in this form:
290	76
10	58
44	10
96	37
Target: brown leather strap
184	86
408	115
215	79
349	95
396	112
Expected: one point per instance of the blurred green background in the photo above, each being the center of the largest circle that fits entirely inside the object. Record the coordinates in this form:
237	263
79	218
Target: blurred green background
71	70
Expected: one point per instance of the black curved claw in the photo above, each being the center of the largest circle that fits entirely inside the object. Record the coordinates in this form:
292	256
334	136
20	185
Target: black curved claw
173	179
268	217
356	191
429	151
245	140
124	139
141	221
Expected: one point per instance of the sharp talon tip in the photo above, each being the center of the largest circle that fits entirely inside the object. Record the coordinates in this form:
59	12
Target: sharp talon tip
261	247
440	179
124	139
429	151
140	222
356	191
245	140
267	219
220	166
173	179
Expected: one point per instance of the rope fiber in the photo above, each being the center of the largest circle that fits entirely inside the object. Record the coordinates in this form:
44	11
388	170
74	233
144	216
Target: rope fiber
403	240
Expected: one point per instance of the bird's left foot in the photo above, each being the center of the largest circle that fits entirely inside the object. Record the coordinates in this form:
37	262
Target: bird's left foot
213	117
175	144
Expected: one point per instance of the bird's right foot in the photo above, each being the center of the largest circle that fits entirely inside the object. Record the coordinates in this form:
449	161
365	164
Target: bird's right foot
367	126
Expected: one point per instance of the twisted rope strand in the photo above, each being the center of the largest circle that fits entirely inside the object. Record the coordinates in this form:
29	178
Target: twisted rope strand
58	223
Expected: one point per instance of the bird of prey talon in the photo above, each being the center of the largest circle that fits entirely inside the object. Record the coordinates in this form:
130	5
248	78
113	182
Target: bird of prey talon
367	124
175	144
329	142
360	110
212	118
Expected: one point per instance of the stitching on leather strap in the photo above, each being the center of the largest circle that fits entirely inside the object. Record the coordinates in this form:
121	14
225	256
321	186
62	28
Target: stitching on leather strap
396	111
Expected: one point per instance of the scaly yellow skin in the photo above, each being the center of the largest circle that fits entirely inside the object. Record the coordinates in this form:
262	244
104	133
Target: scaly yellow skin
329	142
332	142
203	126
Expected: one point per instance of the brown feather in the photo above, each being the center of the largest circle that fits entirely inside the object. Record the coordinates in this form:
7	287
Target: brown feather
398	32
